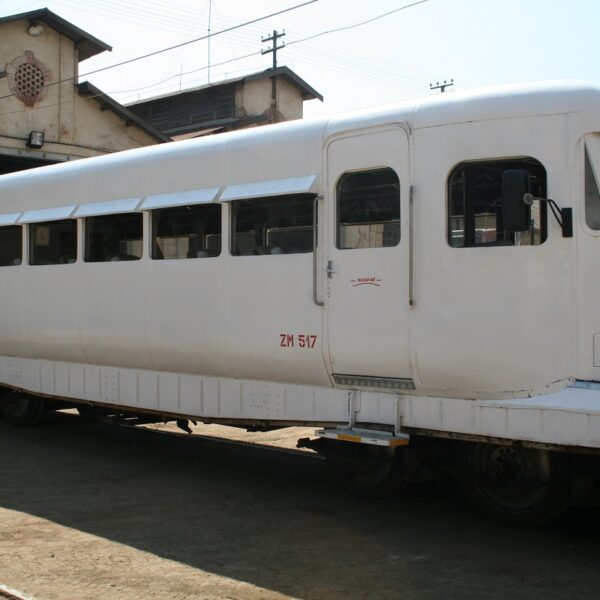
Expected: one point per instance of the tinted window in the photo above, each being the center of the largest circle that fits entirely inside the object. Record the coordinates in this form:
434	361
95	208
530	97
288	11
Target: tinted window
186	231
475	204
11	245
368	209
53	243
280	225
112	238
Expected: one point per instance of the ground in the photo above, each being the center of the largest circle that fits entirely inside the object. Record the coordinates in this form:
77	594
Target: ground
142	515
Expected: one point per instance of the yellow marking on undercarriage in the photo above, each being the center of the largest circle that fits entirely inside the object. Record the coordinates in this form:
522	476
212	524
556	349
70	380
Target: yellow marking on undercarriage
399	442
349	438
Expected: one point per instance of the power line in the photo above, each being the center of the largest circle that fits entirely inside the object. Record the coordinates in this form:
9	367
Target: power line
359	24
413	80
204	37
163	50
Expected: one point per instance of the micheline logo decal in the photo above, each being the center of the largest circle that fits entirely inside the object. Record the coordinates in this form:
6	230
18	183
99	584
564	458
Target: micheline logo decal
366	281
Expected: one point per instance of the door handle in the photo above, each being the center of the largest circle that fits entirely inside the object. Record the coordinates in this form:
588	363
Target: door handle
330	269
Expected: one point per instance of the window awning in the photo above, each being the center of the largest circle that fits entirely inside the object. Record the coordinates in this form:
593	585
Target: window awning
110	207
304	184
10	219
202	196
47	214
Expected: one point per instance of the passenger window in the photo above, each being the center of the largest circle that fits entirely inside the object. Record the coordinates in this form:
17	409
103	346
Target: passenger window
53	242
475	204
113	238
186	232
592	196
11	245
280	225
368	209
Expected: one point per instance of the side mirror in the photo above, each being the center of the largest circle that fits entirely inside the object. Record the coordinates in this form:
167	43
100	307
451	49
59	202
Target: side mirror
516	200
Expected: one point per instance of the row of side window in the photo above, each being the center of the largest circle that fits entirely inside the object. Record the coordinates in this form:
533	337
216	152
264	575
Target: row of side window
367	216
368	209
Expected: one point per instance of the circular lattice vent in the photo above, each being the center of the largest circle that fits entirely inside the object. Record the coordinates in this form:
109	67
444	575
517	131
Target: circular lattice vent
28	79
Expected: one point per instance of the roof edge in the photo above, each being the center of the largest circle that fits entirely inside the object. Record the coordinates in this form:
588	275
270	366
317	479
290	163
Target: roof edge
85	88
87	44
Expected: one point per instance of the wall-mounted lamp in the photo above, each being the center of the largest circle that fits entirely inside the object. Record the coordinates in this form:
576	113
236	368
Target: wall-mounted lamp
35	139
35	30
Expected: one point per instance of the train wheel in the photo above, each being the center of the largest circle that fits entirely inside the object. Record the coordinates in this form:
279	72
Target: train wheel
367	471
520	486
23	411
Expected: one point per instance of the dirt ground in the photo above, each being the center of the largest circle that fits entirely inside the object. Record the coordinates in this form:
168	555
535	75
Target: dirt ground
144	515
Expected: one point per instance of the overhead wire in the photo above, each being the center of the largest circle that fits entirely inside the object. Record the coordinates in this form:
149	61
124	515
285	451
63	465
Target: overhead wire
368	69
175	46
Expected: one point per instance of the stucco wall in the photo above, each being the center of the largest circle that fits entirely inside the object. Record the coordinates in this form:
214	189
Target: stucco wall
253	98
73	125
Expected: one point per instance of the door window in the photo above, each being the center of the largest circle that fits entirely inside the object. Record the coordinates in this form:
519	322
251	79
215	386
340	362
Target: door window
368	209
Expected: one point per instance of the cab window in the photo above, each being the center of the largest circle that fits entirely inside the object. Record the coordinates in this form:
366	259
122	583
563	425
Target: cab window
475	204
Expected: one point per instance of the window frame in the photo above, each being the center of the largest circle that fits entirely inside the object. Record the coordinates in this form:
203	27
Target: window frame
152	230
338	223
86	234
22	252
30	242
582	154
470	214
233	204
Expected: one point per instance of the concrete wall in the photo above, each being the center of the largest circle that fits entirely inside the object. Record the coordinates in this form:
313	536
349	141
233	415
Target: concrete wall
253	98
74	125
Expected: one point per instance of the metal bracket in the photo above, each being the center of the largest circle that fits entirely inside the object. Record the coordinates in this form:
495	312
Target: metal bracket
353	407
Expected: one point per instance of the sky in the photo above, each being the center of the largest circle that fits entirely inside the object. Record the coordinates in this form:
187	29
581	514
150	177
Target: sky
474	42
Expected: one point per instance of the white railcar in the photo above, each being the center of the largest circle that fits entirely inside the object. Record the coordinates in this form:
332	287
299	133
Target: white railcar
395	276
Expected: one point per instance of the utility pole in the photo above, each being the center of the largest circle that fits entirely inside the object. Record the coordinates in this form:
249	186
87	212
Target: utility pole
441	86
273	38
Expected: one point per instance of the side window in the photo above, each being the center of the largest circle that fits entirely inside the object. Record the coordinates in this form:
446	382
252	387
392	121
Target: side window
53	242
11	245
368	209
475	204
186	231
592	196
112	238
279	225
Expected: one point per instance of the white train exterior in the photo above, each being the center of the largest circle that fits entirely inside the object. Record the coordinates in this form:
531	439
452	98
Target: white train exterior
430	321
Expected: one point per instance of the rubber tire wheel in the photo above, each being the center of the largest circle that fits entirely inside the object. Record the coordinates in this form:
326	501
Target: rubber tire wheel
22	411
497	480
368	471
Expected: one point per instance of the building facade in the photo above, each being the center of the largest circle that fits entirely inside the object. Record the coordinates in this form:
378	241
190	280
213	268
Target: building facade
46	116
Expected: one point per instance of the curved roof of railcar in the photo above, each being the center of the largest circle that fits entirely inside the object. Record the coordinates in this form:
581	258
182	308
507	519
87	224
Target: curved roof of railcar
282	150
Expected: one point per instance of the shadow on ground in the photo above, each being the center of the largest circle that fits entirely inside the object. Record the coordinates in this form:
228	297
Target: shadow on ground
274	520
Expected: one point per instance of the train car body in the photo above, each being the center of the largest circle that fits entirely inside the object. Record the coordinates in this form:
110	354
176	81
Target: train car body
352	272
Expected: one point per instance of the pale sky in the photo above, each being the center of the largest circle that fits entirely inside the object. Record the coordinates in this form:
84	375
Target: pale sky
474	42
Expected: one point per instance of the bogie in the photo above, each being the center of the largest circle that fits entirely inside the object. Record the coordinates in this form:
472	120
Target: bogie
21	410
517	485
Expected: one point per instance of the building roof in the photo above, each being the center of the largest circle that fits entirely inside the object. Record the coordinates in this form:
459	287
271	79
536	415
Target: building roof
107	103
211	107
307	92
87	44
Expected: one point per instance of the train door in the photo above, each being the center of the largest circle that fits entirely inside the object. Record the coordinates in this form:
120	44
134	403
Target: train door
368	257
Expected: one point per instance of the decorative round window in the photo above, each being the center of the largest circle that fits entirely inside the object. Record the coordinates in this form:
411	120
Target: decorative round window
27	79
